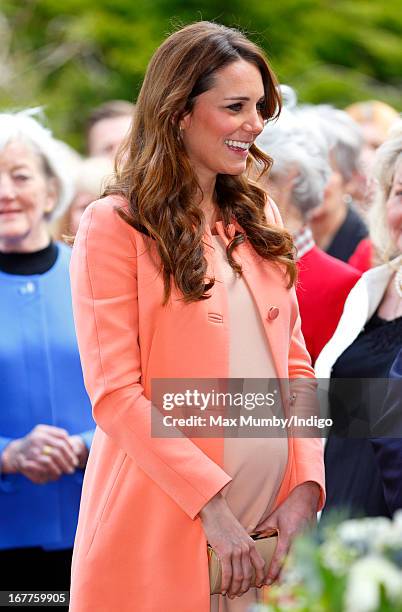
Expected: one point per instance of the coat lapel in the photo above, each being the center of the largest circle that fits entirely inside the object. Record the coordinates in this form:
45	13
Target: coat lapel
360	305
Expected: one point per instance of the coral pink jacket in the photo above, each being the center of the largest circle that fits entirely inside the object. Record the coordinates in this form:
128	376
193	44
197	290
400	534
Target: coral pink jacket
140	544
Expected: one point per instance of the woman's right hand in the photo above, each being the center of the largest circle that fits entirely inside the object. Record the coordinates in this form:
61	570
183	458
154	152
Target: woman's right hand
233	546
44	454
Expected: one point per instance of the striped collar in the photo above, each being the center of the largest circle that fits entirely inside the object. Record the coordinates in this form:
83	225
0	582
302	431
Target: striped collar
303	241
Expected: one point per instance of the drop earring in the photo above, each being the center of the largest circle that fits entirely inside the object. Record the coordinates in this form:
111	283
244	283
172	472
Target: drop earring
180	134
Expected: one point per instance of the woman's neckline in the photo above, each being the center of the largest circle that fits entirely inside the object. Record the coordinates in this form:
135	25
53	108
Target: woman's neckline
27	264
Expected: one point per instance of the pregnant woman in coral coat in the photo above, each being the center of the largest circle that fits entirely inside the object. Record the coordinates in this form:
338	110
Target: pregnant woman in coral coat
183	270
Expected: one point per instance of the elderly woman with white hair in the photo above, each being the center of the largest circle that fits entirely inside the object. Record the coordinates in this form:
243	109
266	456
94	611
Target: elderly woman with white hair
366	343
46	424
297	181
336	225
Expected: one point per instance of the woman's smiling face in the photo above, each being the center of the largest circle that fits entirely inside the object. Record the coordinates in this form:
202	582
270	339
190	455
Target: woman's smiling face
26	195
394	206
225	121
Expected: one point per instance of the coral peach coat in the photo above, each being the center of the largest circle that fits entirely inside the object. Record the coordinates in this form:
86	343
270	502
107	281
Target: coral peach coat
140	545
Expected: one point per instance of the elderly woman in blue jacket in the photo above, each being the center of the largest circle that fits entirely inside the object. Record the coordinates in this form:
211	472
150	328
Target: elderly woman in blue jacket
45	417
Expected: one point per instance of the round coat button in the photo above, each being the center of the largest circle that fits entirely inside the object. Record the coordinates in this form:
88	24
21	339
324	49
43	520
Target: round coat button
273	312
28	288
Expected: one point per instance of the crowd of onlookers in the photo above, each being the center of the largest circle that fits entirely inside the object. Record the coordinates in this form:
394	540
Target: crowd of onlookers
337	180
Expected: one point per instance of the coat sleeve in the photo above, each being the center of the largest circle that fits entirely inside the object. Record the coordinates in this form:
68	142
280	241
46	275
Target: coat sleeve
308	452
7	481
105	305
87	436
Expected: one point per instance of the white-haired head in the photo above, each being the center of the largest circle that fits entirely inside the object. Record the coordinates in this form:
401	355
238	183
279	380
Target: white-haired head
342	134
387	159
295	150
23	127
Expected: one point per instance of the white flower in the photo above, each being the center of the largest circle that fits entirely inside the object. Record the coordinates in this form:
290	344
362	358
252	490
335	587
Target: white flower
397	519
397	528
364	580
372	534
388	539
336	556
366	535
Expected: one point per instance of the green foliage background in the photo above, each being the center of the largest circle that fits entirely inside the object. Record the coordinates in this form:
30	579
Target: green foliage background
73	55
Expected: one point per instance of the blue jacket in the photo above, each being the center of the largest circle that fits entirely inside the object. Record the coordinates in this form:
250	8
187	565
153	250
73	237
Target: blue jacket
40	383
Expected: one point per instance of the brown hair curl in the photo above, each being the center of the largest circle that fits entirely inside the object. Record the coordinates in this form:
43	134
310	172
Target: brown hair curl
154	174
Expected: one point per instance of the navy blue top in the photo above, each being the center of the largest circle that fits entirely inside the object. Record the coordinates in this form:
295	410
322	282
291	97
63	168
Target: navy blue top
354	480
348	236
388	445
40	383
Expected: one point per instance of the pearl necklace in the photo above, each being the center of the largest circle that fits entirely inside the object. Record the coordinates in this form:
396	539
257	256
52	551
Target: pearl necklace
398	281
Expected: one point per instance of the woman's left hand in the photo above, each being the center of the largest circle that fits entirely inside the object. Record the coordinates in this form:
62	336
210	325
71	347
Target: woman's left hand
80	450
297	512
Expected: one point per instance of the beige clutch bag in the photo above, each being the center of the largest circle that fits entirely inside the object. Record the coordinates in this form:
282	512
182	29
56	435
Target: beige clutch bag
265	543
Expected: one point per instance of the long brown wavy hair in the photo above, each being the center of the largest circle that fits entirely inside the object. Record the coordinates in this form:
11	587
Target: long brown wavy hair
154	173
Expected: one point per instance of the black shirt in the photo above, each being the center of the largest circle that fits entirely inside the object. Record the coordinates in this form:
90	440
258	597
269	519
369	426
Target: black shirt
348	236
353	477
26	264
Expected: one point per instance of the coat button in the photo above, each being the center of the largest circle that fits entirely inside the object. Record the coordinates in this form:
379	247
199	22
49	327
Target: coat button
29	287
273	312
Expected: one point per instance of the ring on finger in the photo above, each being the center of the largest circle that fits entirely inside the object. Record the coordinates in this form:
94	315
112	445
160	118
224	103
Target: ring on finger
47	449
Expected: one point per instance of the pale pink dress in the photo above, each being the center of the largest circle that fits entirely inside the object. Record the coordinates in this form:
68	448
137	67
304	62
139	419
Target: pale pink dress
256	465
